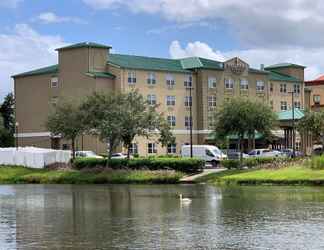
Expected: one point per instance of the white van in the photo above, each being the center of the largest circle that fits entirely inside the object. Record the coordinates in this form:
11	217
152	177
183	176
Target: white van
208	153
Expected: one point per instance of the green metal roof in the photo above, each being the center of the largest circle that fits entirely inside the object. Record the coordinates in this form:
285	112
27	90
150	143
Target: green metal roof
85	45
198	62
275	76
258	71
101	75
42	71
284	65
288	116
146	63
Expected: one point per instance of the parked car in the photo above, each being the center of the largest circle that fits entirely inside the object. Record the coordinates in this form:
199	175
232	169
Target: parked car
210	154
288	152
118	156
235	155
88	154
317	150
264	153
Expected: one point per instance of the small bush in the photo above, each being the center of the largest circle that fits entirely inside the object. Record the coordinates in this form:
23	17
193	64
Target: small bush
317	162
185	165
252	162
231	164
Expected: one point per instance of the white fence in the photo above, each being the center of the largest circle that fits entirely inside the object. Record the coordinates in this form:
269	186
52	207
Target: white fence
33	157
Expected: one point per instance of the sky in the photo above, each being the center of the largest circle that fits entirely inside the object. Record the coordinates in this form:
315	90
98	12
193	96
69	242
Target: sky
258	31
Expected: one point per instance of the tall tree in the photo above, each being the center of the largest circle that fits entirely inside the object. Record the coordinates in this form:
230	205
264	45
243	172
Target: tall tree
66	121
313	122
8	113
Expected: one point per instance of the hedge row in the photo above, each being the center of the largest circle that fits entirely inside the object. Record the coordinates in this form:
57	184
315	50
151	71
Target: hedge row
253	162
178	164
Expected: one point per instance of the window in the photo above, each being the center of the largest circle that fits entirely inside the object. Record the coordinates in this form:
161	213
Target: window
188	101
151	99
271	87
170	80
244	84
283	106
151	80
151	148
283	88
212	101
54	100
271	104
317	99
172	120
211	82
297	105
170	100
209	153
260	86
131	77
188	81
296	88
134	149
188	122
172	148
54	82
229	83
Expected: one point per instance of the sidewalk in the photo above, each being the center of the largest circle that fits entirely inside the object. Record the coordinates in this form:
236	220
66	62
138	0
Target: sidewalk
192	178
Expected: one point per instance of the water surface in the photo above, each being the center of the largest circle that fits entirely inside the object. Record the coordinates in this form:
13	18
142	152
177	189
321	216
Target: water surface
151	217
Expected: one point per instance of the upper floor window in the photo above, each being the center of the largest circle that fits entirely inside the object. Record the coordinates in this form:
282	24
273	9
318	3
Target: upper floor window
297	88
170	80
260	86
283	88
131	77
212	82
151	148
283	105
212	101
229	83
172	148
170	100
54	82
151	99
188	122
188	101
171	120
244	84
297	105
271	87
188	81
317	99
151	78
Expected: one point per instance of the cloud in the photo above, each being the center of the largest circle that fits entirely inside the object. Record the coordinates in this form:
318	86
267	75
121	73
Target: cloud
22	50
312	58
256	23
50	17
10	3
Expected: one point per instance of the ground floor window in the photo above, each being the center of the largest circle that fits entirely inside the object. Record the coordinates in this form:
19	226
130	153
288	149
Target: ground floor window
283	106
134	149
172	148
151	148
188	122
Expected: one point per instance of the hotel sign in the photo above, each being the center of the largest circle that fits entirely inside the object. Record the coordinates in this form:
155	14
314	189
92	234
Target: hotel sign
236	66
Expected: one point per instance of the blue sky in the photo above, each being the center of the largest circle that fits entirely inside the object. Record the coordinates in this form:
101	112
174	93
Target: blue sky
257	31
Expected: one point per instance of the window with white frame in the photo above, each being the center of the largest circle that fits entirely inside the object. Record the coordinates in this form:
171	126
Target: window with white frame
131	77
297	89
283	105
297	105
212	82
151	80
283	88
260	86
188	101
244	84
171	120
188	122
151	99
151	148
317	99
134	149
170	100
212	101
54	82
188	81
172	148
229	83
170	80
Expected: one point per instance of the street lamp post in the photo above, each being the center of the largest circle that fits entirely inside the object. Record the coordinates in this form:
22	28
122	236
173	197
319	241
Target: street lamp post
293	123
190	123
16	128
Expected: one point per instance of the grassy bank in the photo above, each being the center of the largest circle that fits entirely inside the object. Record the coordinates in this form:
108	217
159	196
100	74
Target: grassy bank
20	175
295	175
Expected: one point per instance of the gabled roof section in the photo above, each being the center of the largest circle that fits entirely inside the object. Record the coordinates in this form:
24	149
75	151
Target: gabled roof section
258	71
199	62
318	81
42	71
275	76
85	45
288	116
146	63
101	75
284	65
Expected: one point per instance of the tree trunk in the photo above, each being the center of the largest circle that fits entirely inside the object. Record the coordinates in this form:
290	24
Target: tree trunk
241	150
128	151
73	149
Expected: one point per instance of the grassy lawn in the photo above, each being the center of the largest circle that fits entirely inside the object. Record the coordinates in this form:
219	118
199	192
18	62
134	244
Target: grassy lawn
20	175
295	175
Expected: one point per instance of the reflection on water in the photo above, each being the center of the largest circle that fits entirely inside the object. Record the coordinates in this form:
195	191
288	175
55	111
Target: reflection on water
152	217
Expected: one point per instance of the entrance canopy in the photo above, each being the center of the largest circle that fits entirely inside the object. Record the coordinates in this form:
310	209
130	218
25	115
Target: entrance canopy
287	115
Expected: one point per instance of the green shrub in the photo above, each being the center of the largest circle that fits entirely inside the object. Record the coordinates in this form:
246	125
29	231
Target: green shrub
317	162
231	164
251	162
185	165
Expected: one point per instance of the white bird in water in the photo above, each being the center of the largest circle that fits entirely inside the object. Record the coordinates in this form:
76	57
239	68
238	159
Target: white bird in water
184	200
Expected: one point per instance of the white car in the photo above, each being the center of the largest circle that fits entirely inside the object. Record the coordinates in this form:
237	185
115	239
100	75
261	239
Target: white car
88	154
264	153
118	156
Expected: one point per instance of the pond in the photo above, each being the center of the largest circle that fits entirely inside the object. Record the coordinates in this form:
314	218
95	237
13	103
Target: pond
152	217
